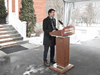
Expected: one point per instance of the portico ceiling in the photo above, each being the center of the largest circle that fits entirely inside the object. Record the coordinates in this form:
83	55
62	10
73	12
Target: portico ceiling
80	0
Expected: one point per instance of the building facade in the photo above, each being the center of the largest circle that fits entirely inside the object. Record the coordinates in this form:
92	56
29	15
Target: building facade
39	6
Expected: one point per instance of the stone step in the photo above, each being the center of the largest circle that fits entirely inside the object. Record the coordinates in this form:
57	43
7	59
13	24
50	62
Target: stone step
9	35
4	24
1	26
2	29
8	32
22	41
7	29
6	40
10	39
17	38
13	43
8	44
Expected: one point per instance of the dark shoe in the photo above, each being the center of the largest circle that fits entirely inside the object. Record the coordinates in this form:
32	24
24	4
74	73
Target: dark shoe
53	61
46	64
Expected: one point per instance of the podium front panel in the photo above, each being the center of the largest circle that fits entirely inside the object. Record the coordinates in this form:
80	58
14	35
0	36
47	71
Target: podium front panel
62	51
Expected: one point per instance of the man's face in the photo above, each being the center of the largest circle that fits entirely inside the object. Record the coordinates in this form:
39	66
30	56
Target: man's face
52	13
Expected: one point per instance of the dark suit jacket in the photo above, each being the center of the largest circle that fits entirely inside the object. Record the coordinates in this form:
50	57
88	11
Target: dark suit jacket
47	28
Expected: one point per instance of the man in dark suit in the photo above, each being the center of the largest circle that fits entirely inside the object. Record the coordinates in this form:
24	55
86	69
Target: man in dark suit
49	25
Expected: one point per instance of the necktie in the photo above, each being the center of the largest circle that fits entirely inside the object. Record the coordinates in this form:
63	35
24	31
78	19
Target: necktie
53	24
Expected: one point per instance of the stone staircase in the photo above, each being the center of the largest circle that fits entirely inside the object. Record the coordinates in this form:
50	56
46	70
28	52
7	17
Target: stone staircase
10	37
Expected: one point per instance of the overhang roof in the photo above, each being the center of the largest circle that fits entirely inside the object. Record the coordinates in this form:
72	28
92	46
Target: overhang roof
79	0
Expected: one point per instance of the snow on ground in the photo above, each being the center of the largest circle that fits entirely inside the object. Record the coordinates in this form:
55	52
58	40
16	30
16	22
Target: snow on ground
85	33
89	35
36	40
82	33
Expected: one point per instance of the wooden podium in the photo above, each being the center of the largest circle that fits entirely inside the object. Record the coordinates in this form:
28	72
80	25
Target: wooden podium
62	49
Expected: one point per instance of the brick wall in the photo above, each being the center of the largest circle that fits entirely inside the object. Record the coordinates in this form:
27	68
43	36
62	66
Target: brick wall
40	9
13	5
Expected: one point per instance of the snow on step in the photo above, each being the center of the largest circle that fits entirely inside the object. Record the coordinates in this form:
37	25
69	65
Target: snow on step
1	25
5	24
2	28
6	31
6	39
3	31
7	43
4	35
8	35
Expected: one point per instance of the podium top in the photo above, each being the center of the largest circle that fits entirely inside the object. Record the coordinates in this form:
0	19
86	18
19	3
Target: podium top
65	32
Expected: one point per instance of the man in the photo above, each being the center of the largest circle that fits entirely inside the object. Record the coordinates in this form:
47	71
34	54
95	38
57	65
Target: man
49	25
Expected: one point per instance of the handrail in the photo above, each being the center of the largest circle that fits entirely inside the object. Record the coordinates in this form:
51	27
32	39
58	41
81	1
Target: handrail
18	25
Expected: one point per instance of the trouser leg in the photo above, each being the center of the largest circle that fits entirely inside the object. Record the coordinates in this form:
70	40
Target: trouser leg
52	52
45	53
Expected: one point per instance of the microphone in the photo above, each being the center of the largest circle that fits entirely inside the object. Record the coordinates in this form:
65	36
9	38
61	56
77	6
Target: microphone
60	22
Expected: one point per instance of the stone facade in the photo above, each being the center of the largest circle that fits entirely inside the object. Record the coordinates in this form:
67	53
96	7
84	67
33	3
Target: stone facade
49	4
55	4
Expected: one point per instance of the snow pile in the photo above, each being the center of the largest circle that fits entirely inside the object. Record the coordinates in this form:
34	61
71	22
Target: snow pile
36	40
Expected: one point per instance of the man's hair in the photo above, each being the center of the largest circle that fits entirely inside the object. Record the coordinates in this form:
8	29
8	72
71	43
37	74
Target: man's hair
50	10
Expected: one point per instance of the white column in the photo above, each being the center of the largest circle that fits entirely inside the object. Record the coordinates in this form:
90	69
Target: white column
24	30
16	9
5	4
10	11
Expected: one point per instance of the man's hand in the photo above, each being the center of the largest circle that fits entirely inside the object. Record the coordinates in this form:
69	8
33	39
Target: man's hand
53	30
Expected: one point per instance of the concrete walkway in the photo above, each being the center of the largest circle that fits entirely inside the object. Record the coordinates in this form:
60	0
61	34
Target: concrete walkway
85	57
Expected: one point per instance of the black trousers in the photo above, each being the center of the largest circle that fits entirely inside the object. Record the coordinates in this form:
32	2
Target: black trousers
52	52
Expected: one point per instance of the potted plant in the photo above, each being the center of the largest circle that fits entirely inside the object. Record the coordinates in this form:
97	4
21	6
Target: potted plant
3	13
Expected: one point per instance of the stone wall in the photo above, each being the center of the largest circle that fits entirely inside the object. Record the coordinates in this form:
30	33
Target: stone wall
49	4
